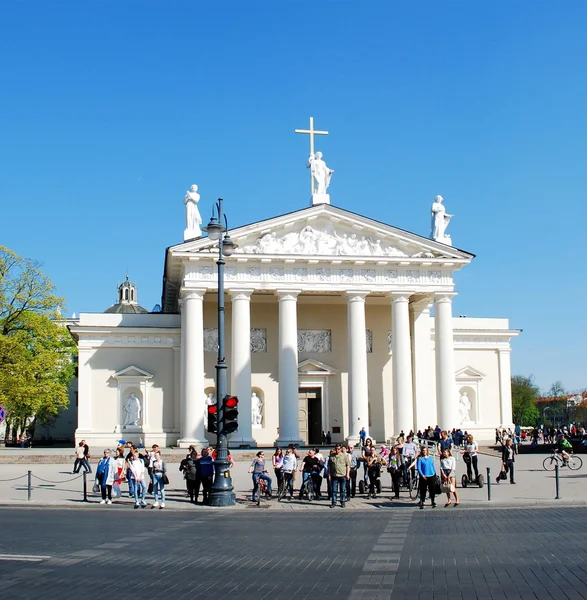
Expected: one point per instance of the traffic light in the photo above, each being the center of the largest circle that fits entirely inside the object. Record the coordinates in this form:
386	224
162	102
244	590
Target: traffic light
212	418
230	414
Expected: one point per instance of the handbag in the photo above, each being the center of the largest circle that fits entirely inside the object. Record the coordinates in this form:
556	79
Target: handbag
503	475
437	486
116	491
446	488
96	487
165	479
150	488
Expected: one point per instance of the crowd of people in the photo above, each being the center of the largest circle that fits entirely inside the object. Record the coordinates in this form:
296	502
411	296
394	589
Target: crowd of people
338	474
346	469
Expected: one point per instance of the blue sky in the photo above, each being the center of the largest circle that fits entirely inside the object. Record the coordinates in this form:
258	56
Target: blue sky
110	110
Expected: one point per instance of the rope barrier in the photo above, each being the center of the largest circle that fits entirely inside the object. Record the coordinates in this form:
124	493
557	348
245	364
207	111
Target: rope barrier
13	479
61	481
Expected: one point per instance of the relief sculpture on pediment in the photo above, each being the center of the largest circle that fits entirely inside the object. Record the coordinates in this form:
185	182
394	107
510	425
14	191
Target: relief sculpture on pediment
316	242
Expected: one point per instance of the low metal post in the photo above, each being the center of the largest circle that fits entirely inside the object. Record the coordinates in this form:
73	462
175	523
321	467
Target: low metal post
29	484
488	484
84	474
556	479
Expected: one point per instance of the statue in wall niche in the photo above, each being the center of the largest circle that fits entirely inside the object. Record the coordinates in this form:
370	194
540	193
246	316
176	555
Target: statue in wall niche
256	409
464	408
192	214
321	174
210	398
440	221
132	411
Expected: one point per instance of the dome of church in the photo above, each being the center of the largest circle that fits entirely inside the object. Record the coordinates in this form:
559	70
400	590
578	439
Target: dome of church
127	300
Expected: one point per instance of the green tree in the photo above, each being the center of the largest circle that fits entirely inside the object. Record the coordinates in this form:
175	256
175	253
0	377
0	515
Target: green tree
36	350
524	394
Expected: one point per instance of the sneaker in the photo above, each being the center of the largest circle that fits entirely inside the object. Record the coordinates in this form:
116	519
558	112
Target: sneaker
144	505
155	505
137	505
497	481
332	506
108	501
162	505
342	505
102	501
434	505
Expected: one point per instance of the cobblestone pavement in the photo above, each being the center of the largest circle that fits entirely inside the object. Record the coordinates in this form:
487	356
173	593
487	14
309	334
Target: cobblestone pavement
392	554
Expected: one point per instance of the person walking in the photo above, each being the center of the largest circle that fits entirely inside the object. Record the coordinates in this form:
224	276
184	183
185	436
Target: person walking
427	472
508	458
394	468
159	469
137	472
351	484
189	468
339	472
204	475
80	460
448	467
105	476
277	462
290	464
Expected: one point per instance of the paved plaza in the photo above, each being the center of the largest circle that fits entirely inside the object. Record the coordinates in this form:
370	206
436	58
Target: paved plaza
53	484
487	553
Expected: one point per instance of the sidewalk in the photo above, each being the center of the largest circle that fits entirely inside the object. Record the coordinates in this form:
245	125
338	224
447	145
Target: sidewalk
53	485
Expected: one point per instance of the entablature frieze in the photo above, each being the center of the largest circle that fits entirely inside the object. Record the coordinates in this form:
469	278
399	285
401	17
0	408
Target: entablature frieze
328	277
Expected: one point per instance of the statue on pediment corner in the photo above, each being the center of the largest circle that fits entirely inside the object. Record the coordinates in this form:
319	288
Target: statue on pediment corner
440	221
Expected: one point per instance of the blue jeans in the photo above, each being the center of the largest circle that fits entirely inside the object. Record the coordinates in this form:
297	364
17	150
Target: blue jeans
139	491
338	486
264	477
131	486
158	487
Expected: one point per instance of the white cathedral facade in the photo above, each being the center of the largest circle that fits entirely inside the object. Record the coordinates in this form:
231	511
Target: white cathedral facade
334	322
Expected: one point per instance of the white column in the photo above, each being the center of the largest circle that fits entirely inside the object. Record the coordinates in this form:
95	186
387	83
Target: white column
358	373
84	394
192	401
423	365
240	365
446	390
401	359
505	389
289	411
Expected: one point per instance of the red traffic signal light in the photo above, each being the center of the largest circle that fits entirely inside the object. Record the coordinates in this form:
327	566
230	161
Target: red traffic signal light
230	414
213	418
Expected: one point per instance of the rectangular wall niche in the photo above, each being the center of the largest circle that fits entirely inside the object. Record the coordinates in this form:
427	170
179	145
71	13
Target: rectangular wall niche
314	340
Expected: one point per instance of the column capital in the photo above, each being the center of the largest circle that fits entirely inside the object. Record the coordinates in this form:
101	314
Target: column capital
356	296
240	293
287	294
399	297
192	293
441	297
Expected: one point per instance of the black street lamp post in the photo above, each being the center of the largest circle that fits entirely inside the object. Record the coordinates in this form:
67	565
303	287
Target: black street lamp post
222	490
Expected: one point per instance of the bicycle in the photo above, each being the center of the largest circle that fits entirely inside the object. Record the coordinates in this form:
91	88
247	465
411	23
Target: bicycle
285	486
308	488
574	462
413	479
262	490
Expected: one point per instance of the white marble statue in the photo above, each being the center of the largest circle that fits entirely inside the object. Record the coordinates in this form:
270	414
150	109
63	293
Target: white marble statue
192	214
132	411
464	408
321	174
440	221
210	399
256	409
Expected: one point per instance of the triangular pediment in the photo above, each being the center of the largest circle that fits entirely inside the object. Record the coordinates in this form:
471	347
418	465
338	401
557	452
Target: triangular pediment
469	372
328	231
315	367
133	372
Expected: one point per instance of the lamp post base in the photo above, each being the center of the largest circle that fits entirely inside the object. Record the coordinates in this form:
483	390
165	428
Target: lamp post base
223	498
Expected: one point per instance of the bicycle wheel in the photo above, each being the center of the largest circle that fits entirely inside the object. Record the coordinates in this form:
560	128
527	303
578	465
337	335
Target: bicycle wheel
575	463
413	487
550	463
311	490
281	492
